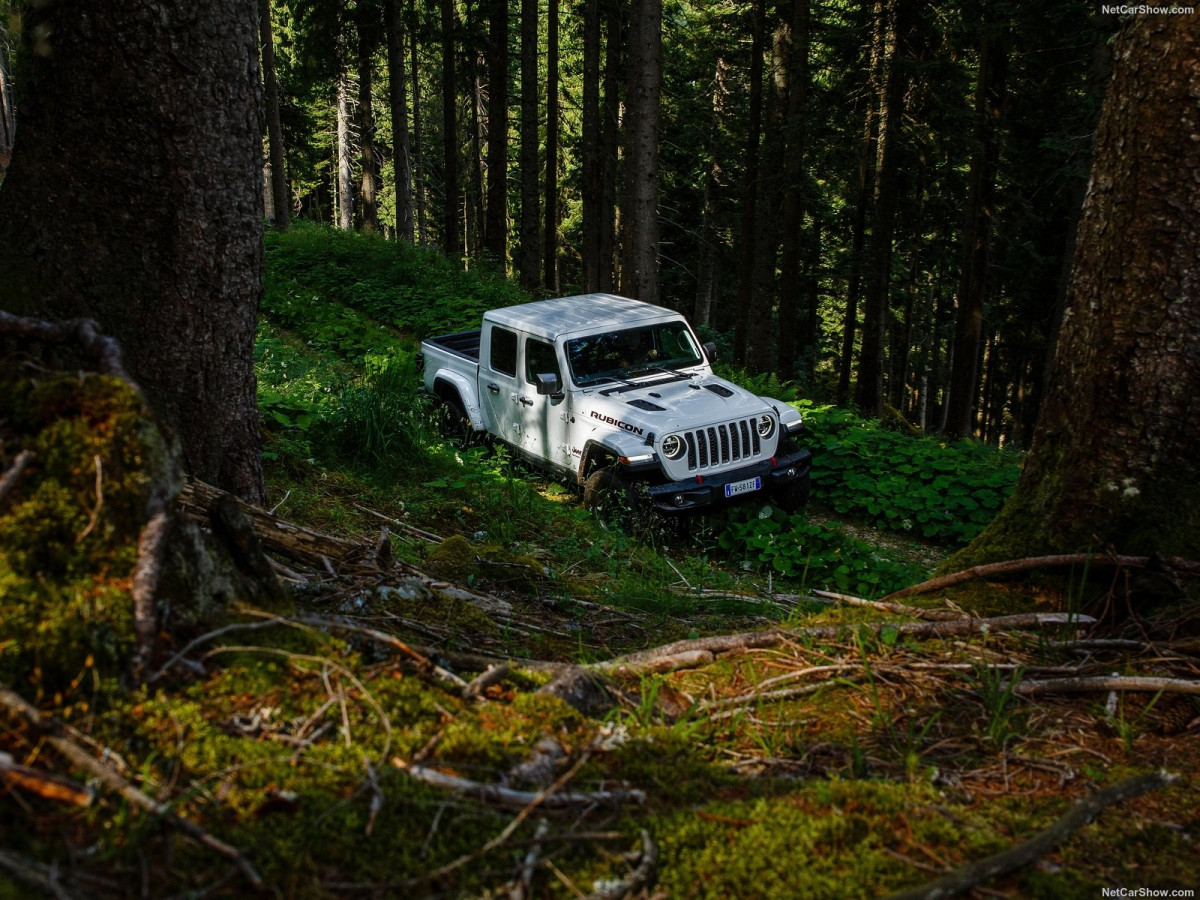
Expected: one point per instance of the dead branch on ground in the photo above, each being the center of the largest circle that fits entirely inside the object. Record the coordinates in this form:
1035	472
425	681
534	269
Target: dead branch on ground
97	348
1084	810
1013	566
641	877
1142	683
14	473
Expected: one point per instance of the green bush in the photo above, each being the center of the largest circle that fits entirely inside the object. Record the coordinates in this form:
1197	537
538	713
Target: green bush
943	491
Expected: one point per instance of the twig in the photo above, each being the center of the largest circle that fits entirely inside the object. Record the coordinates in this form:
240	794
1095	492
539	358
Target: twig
376	796
686	583
274	508
118	785
36	875
484	680
1107	683
52	787
95	517
642	876
635	663
510	797
522	885
1013	566
209	636
14	473
402	525
933	615
1084	810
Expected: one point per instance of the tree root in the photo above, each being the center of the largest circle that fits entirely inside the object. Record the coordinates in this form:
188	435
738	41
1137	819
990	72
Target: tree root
99	349
1084	810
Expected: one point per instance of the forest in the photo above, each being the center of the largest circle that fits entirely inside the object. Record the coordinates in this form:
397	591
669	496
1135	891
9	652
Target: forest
272	623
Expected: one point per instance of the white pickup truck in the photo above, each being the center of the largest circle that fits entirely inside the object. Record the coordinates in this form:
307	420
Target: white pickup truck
619	396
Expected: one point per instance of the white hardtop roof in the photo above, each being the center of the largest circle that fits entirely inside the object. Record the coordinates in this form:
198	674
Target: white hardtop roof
586	312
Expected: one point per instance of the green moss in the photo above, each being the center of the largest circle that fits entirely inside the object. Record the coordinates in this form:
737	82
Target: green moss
68	537
453	559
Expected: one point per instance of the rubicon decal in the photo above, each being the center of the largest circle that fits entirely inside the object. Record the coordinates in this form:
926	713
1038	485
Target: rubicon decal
609	420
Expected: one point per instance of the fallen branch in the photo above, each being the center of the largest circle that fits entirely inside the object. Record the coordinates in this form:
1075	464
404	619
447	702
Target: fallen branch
484	680
1013	566
640	877
1143	683
932	615
718	645
113	782
14	473
36	875
1084	810
99	349
52	787
509	797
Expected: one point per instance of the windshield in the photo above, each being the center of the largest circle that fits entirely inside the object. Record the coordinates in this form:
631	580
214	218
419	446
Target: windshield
618	355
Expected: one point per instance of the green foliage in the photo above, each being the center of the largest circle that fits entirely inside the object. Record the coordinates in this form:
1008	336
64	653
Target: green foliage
947	492
817	555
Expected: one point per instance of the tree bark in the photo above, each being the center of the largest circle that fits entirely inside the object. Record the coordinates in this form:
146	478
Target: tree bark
1113	457
709	236
496	223
281	201
135	198
793	186
869	391
614	85
589	250
418	127
746	247
367	39
527	266
977	234
550	258
398	101
639	210
345	168
450	212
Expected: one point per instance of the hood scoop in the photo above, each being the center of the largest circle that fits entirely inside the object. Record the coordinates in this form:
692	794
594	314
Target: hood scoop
719	389
646	405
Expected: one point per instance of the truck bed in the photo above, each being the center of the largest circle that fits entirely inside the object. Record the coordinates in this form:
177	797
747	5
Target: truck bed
464	343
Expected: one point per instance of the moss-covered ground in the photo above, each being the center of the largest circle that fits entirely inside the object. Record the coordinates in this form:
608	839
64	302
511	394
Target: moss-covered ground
853	764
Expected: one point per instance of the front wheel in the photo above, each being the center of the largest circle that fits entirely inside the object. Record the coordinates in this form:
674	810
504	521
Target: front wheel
614	497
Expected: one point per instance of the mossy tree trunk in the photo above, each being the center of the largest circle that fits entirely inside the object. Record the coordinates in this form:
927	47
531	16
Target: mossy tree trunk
135	197
1113	458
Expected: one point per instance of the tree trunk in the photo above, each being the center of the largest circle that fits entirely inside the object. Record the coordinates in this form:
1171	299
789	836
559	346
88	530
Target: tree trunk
367	39
589	250
527	266
451	245
869	392
550	267
610	131
746	247
793	186
475	201
1113	458
345	168
280	201
977	233
135	198
496	223
418	128
639	210
398	101
709	239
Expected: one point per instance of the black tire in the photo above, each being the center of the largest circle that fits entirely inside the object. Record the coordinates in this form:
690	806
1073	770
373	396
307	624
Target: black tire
456	424
793	496
612	496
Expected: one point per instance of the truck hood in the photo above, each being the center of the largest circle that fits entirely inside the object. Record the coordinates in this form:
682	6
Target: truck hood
658	406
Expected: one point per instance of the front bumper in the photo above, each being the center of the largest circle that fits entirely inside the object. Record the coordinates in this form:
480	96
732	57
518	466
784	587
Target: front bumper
707	490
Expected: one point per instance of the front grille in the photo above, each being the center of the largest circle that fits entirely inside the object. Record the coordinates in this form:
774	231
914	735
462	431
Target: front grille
719	445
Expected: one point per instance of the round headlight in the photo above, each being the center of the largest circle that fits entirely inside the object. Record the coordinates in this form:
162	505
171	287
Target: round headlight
673	446
766	426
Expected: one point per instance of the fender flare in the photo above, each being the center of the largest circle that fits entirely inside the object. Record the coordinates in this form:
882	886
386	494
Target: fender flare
448	380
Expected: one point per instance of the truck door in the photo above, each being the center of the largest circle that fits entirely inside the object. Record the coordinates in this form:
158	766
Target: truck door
544	417
498	384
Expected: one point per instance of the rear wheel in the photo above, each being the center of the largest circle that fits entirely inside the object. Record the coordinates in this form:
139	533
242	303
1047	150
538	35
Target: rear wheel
455	424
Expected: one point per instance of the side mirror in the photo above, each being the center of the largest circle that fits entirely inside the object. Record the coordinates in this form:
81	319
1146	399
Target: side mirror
710	350
548	384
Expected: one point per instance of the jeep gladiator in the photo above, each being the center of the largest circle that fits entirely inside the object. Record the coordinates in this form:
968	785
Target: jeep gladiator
620	397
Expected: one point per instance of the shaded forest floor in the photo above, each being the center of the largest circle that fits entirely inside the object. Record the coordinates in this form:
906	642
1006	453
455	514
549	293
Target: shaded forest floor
472	705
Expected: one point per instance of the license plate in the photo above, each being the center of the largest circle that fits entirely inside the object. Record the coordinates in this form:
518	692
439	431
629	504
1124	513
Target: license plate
742	487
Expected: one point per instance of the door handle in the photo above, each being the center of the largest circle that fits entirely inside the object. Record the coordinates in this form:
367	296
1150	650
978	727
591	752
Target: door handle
526	401
494	388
